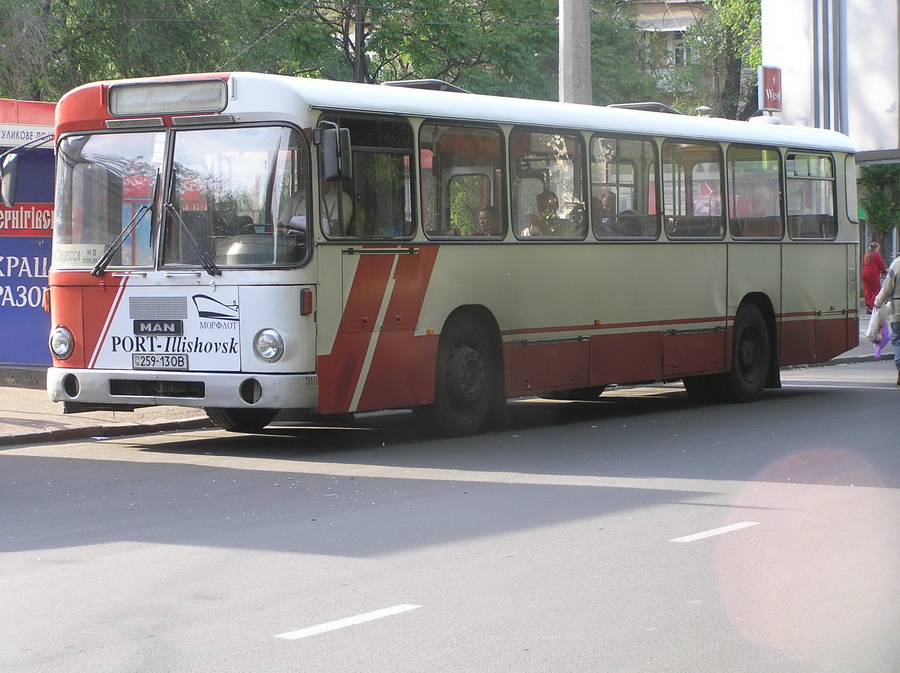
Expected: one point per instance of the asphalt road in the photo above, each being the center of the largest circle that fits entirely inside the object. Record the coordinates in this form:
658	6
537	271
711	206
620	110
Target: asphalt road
638	533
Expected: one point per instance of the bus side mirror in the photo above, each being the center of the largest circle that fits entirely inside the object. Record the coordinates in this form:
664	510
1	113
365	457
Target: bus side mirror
337	160
9	175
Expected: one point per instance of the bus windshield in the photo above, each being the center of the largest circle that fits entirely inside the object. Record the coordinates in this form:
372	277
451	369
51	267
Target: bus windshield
233	197
105	183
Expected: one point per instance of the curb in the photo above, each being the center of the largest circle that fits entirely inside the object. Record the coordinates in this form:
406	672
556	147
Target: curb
849	360
76	434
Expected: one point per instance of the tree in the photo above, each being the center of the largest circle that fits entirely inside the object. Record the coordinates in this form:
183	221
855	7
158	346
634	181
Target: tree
724	47
26	72
501	46
882	198
50	46
504	47
624	61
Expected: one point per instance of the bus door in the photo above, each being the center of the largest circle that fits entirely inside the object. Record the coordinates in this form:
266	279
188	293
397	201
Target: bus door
832	336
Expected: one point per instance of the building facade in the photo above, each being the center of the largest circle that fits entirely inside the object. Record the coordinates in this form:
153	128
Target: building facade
840	64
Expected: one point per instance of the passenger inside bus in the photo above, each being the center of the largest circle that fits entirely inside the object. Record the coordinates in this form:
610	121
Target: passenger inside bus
488	222
603	211
336	215
228	222
293	214
547	221
337	219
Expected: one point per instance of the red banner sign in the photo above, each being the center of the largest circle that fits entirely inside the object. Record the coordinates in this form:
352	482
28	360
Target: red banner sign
770	88
26	219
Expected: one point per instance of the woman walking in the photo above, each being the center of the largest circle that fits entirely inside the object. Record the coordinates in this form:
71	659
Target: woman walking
873	268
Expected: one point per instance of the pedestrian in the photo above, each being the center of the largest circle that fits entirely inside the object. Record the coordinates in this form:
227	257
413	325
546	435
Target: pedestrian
890	291
873	269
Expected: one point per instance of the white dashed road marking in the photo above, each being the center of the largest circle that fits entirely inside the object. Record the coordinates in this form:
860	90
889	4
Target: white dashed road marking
349	621
715	531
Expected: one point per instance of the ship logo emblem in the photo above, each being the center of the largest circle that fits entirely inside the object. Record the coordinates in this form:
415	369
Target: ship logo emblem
207	307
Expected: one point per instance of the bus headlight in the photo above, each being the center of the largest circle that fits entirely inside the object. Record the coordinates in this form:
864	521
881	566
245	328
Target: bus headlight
268	345
62	343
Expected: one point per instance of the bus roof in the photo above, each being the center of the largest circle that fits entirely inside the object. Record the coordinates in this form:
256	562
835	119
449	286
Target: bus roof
333	95
279	95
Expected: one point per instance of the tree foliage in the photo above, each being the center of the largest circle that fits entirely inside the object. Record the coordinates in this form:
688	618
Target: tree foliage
625	63
50	46
506	47
882	195
725	48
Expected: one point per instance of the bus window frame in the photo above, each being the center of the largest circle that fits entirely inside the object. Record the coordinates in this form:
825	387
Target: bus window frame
581	174
66	200
667	229
851	177
652	187
500	182
167	230
340	118
730	195
809	178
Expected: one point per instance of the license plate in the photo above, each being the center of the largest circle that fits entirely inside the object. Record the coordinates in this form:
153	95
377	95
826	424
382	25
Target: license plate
174	362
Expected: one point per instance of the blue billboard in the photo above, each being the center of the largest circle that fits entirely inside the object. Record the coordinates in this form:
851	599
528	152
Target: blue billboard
25	249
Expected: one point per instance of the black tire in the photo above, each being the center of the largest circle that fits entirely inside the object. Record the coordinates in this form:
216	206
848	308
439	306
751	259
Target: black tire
468	379
750	355
241	420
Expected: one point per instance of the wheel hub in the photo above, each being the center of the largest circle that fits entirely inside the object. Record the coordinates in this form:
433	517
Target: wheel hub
467	369
747	352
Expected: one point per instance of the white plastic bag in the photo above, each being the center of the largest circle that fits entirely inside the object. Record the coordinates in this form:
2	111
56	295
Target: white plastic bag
873	332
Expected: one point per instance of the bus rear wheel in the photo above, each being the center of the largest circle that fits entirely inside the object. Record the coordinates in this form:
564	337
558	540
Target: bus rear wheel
467	381
241	420
750	354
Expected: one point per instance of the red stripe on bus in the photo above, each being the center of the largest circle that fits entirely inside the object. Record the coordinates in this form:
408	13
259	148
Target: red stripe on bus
339	371
400	373
402	368
85	304
109	314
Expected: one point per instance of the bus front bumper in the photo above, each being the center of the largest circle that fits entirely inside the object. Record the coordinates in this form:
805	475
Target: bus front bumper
122	388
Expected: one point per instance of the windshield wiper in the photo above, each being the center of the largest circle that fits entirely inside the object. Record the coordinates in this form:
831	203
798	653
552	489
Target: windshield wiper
104	261
205	260
106	258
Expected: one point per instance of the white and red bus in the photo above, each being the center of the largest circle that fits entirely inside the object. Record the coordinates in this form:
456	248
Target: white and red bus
248	243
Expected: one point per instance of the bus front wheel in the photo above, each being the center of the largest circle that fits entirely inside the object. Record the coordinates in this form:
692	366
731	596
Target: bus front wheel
241	420
467	380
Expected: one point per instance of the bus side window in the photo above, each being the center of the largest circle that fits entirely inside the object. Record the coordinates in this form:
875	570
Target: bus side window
623	197
549	187
462	180
380	195
754	192
465	192
810	196
692	190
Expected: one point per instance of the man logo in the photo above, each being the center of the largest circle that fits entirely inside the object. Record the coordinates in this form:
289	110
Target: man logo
162	327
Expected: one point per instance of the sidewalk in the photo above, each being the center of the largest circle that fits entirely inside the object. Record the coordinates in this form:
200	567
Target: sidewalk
27	416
